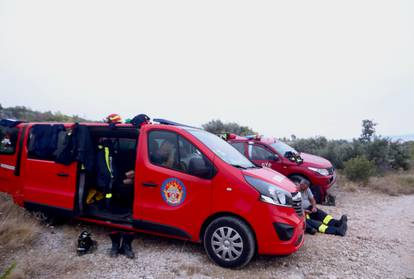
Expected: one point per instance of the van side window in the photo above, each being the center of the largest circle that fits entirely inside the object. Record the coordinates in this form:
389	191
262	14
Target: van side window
168	149
43	141
239	146
8	140
259	153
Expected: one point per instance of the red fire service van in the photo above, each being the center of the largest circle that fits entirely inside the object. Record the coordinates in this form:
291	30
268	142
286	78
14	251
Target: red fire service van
283	158
167	179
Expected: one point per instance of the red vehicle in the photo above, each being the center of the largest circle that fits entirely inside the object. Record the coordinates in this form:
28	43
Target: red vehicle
283	158
189	184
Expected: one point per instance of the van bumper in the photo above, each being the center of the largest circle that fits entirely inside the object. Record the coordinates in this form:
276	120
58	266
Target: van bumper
279	230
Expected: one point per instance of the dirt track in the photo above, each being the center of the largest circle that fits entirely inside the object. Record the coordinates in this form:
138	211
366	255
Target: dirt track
379	244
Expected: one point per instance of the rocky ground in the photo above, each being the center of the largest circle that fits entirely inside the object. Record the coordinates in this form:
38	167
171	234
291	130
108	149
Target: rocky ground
379	244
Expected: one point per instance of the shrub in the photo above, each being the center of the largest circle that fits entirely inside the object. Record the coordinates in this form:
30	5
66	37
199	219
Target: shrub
399	155
359	169
377	152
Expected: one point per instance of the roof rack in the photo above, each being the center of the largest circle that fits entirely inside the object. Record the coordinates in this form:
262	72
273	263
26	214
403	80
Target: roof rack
172	123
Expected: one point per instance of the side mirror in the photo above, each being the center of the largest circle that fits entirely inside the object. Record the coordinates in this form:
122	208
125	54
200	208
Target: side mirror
198	167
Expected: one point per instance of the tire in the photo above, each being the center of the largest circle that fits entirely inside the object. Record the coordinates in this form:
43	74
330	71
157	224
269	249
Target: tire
229	242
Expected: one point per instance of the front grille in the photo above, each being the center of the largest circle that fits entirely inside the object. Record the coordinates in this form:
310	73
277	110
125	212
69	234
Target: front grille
330	170
297	203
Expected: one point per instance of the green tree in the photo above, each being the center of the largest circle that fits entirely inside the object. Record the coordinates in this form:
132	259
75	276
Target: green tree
368	130
218	127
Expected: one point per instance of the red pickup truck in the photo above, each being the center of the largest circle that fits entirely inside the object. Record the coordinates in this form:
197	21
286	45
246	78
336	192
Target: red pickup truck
277	155
188	184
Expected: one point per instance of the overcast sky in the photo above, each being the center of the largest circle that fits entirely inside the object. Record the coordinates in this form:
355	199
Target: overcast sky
281	67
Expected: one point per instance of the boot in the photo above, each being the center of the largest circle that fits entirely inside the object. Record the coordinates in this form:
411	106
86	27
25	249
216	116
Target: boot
344	219
310	230
126	248
341	230
116	241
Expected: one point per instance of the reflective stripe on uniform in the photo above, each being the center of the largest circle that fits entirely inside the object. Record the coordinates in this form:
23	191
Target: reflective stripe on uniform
108	165
322	228
327	219
307	216
108	196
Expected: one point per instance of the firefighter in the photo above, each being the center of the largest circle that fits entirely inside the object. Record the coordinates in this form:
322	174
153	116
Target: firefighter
318	220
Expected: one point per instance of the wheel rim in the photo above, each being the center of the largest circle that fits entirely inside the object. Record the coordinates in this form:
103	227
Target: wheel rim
227	243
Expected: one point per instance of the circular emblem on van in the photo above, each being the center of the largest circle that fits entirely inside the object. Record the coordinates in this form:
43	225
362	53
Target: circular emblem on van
173	191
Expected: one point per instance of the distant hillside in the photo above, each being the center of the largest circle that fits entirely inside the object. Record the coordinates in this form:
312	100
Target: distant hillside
27	114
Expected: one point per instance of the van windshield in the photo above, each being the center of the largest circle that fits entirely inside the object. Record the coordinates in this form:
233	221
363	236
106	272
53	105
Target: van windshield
222	149
282	148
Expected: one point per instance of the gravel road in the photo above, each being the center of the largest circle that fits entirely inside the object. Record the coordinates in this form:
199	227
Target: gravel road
379	244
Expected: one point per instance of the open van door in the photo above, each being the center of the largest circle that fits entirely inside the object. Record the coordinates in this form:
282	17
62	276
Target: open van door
48	186
11	138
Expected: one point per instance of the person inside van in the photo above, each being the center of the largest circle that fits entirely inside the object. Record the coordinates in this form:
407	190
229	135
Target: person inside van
165	155
318	220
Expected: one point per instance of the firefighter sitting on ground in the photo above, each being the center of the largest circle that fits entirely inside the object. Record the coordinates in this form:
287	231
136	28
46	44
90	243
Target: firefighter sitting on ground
317	219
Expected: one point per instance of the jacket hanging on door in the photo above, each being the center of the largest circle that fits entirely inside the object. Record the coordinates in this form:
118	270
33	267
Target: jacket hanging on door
76	146
43	140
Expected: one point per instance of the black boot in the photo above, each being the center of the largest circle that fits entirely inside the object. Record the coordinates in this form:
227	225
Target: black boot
126	248
341	230
85	243
310	230
116	241
344	219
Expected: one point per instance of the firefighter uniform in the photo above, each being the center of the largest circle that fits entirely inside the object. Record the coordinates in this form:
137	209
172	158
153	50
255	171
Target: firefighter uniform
105	170
320	220
325	223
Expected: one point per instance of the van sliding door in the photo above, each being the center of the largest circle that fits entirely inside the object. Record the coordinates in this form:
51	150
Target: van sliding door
48	185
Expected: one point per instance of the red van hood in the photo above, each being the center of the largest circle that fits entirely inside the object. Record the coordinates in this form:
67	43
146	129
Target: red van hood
310	160
272	177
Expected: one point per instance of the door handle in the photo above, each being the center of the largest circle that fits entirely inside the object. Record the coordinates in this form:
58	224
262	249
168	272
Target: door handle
62	174
149	184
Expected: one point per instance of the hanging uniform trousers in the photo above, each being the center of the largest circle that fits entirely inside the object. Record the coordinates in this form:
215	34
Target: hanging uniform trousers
105	171
324	222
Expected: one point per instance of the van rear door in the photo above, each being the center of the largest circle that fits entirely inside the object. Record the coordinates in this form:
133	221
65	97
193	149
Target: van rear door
48	185
9	151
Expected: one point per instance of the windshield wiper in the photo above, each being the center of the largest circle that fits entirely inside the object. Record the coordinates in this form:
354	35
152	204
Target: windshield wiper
242	167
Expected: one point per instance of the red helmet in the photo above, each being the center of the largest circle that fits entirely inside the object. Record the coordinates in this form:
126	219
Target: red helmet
114	118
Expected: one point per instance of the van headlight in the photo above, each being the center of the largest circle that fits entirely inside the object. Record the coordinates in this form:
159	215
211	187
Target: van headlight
323	172
270	193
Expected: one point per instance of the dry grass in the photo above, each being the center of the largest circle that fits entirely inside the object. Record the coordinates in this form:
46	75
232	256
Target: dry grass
17	227
394	184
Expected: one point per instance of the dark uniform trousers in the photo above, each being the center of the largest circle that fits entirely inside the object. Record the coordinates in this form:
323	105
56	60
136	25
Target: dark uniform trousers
322	221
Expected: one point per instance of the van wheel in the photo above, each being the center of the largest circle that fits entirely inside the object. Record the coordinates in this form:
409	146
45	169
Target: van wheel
229	242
